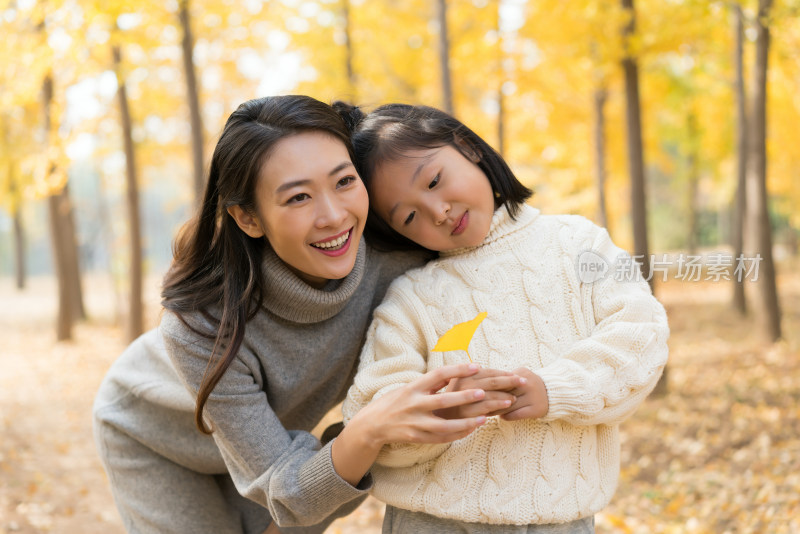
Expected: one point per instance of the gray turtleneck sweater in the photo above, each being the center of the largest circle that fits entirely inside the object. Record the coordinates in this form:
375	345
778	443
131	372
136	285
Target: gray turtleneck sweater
297	360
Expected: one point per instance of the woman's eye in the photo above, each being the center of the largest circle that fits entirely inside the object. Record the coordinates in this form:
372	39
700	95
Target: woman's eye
410	217
347	180
298	198
434	182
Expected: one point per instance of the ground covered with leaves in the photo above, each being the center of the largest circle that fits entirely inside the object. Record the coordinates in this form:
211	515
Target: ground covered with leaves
719	453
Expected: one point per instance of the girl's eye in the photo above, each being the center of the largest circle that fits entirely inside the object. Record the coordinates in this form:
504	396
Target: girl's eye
347	180
434	182
298	198
410	217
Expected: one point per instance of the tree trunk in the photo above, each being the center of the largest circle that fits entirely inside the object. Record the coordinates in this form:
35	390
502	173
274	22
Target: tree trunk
633	122
693	180
62	234
600	97
64	319
757	200
348	51
737	233
135	323
69	236
19	249
444	58
502	77
193	99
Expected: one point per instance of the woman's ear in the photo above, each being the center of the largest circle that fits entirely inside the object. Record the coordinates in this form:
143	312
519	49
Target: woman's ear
470	152
246	221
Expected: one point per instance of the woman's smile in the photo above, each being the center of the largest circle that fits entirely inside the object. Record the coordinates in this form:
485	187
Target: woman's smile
336	245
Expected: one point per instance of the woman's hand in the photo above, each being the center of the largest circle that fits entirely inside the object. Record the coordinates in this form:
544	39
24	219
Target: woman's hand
409	414
531	398
499	387
412	413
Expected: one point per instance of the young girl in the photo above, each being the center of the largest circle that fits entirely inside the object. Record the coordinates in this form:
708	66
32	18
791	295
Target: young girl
591	350
267	301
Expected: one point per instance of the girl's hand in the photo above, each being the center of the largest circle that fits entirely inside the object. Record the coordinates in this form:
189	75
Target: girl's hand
406	415
532	402
499	387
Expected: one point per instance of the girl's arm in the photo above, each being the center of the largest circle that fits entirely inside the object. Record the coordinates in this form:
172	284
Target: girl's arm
391	394
602	378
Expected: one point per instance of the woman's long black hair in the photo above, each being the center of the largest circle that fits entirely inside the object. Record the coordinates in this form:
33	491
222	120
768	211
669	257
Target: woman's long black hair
216	266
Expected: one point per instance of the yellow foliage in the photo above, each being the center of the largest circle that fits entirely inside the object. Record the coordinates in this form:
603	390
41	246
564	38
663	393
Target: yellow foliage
548	59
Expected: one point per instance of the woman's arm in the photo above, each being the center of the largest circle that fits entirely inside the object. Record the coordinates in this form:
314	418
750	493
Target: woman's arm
283	470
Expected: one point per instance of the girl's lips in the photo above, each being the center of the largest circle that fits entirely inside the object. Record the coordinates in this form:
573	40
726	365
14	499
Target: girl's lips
461	225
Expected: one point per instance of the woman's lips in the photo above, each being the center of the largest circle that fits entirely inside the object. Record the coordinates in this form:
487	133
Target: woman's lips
335	245
461	225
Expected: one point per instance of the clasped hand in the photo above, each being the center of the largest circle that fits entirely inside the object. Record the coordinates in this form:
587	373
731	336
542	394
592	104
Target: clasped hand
519	394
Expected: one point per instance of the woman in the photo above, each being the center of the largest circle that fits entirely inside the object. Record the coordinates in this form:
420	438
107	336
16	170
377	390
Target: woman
267	301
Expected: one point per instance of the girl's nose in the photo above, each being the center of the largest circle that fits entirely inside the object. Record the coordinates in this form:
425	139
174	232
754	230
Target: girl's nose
441	212
330	212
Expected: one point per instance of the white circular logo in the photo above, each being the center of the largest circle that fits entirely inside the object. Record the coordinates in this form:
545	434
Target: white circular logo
591	267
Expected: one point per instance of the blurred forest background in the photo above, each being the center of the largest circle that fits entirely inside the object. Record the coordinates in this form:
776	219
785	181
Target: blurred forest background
672	122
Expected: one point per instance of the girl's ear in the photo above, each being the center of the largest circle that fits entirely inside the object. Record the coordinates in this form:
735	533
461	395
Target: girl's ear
246	221
470	152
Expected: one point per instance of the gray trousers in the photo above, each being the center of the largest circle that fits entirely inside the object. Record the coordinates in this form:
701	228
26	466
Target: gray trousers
172	480
398	521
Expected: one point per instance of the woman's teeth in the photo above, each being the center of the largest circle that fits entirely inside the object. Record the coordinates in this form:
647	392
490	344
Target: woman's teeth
336	243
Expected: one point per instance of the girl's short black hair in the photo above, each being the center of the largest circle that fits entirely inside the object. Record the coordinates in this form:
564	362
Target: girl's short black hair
390	131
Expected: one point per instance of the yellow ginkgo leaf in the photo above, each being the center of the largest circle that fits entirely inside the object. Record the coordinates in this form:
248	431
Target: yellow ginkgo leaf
458	337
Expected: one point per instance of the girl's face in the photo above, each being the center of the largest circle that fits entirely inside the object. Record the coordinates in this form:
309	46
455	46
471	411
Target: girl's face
311	206
436	197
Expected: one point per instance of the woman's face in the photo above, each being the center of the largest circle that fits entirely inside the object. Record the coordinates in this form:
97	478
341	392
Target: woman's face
312	206
436	197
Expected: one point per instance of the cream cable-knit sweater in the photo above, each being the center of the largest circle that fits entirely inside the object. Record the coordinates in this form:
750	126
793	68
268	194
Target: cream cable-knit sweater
599	348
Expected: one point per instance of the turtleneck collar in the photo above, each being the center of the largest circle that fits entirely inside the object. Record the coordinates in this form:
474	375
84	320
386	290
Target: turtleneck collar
502	225
291	298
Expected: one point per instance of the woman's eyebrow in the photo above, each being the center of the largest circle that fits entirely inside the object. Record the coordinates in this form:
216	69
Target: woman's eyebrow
297	183
343	165
294	183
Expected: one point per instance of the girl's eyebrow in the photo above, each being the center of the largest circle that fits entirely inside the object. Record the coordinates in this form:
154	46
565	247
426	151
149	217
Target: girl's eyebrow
419	170
425	160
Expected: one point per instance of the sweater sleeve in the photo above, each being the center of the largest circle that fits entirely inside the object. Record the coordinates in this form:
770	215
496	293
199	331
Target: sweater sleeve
602	378
285	471
394	355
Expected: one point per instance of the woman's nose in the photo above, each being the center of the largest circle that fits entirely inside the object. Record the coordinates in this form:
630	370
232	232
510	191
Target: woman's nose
330	212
